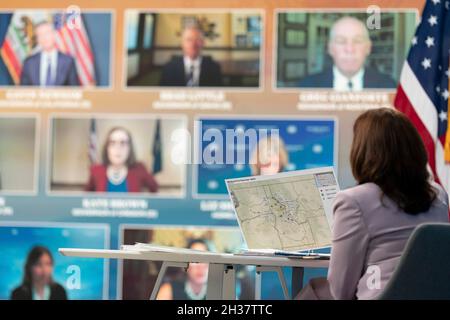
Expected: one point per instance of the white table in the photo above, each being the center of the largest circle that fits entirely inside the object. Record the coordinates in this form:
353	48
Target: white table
221	273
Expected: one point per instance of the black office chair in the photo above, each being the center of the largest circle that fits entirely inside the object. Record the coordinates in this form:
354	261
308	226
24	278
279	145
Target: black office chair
424	268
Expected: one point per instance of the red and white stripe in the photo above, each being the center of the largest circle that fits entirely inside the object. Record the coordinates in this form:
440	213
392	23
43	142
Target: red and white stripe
412	100
93	159
74	41
70	39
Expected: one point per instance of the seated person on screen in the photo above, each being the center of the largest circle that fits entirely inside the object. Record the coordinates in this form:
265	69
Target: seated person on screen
37	281
120	172
193	287
374	220
49	67
349	46
192	69
269	157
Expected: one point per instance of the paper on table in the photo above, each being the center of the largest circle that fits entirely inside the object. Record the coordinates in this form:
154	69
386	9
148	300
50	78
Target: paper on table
148	247
262	252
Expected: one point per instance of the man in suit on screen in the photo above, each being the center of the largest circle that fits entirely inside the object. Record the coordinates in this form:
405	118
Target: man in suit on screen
349	46
192	69
49	67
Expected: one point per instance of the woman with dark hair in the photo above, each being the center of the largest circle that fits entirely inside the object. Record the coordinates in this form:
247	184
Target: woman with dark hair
373	221
119	171
37	281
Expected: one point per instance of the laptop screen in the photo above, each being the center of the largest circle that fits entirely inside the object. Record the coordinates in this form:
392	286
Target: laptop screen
289	211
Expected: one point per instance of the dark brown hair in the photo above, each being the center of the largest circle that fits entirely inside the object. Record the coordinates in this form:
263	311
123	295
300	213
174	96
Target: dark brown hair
131	161
388	151
32	259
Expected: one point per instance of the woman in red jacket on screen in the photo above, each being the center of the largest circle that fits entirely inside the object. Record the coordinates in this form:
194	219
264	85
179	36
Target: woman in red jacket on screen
119	171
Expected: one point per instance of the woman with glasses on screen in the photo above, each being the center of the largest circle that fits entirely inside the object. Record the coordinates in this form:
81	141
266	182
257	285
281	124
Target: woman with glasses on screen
38	282
119	171
373	221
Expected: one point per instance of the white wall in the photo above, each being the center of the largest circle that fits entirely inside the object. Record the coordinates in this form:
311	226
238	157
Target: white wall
17	153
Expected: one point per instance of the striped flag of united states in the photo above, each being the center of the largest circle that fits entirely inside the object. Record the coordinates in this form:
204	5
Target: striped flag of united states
71	38
423	91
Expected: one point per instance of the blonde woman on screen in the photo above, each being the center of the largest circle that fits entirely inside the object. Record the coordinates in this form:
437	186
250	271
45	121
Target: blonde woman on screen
269	156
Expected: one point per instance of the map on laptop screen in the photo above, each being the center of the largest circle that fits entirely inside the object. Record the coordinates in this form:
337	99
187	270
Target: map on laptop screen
289	211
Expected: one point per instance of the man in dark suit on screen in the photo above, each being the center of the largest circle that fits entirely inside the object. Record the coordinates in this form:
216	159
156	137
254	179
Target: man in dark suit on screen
349	46
192	69
49	67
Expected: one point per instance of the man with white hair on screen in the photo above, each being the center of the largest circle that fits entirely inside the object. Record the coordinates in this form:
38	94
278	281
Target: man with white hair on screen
349	45
193	69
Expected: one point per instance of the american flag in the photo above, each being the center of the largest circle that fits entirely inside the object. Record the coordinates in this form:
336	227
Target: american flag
93	159
423	91
71	38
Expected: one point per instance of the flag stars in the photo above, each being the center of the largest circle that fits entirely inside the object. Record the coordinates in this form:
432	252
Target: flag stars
447	5
432	20
435	2
447	73
443	115
426	63
438	89
445	94
429	42
414	41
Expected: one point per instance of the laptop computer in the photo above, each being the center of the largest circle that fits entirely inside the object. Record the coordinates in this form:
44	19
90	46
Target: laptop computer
285	212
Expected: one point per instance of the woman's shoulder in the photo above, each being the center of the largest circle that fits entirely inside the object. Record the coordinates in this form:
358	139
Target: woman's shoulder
138	167
361	193
57	286
370	193
441	194
21	293
98	167
357	199
58	292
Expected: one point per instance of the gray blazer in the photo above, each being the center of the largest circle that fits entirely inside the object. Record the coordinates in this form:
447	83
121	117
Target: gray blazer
369	235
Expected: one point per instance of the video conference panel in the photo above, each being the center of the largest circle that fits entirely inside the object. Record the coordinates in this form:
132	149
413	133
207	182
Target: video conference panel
110	117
